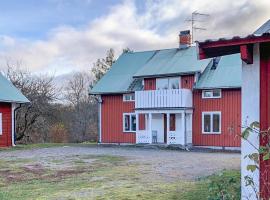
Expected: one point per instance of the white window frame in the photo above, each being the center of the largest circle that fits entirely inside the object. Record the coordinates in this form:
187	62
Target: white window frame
130	122
130	95
167	79
1	124
211	122
212	91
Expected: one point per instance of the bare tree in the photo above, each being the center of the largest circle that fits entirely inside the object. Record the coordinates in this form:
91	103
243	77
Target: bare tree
83	107
33	120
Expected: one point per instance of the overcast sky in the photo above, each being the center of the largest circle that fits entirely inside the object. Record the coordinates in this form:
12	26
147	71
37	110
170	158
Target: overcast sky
62	36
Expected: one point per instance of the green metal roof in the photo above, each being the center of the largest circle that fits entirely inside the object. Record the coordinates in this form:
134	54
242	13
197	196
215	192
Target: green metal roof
173	62
119	79
9	93
226	75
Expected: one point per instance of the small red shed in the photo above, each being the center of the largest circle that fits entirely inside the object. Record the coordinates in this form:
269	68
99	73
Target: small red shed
10	99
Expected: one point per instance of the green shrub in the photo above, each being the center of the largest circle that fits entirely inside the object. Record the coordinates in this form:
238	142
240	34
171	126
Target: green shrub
225	186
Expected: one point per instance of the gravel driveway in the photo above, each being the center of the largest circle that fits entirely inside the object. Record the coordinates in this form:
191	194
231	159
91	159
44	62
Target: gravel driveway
167	164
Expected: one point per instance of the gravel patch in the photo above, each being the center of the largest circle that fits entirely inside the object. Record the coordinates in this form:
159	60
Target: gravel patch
169	164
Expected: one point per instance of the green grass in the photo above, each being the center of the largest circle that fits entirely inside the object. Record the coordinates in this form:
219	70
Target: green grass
46	145
94	177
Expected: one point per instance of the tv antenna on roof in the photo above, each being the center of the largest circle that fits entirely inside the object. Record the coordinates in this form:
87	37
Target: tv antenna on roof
194	18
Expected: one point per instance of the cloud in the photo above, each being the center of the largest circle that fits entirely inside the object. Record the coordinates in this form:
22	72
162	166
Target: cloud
67	48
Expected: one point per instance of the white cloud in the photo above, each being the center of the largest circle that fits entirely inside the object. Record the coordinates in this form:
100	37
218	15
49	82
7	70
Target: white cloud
67	48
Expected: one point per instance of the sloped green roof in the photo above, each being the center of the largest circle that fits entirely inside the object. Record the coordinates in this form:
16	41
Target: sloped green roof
226	75
173	62
120	77
9	93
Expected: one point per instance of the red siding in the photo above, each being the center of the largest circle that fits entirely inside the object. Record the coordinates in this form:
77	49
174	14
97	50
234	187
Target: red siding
187	81
264	117
149	84
230	107
6	137
112	110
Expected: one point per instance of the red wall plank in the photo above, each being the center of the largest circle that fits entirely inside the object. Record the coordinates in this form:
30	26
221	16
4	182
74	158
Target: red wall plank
264	117
149	84
187	81
112	110
6	137
230	107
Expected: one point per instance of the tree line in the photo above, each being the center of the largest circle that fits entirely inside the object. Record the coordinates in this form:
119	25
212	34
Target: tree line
66	114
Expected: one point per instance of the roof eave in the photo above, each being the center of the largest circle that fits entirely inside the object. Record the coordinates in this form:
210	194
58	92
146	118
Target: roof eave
166	75
221	47
219	87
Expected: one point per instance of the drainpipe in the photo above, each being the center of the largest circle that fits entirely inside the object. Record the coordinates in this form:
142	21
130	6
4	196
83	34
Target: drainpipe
14	124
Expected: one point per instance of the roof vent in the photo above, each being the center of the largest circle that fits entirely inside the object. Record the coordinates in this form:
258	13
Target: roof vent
215	63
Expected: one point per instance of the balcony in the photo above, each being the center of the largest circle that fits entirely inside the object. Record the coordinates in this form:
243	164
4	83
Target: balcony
174	98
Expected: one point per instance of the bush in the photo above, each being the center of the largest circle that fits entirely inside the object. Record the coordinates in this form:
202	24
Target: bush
58	134
225	186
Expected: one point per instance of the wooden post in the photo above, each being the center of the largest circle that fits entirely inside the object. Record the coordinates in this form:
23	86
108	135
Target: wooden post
168	127
150	127
137	126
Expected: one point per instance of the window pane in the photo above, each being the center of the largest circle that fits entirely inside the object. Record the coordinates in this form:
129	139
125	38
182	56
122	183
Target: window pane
174	83
172	122
216	123
207	123
162	84
133	122
216	93
133	97
127	123
207	94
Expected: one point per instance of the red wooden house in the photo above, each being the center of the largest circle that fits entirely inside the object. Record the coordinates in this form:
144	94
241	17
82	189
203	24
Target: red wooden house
10	99
255	54
170	97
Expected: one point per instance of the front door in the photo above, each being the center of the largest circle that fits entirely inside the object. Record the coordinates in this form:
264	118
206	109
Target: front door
165	127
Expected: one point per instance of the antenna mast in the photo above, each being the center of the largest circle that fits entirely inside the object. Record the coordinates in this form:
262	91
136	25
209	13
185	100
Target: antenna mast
193	20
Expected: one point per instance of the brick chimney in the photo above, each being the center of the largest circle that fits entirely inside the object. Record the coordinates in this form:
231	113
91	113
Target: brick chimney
184	39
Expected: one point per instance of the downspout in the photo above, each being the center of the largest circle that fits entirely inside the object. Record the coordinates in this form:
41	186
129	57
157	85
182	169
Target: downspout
14	124
185	130
99	119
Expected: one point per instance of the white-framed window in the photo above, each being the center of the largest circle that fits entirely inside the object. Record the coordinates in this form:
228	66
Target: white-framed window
1	124
129	122
129	97
211	122
211	94
168	83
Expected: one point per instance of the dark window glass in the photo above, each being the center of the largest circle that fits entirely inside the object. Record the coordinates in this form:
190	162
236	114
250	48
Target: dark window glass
216	123
207	123
127	122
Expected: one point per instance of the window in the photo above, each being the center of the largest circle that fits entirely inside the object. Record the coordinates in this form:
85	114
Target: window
1	124
211	122
172	122
129	122
207	94
168	83
129	97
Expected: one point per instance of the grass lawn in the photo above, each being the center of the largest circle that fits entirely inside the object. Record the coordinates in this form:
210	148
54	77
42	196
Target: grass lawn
92	177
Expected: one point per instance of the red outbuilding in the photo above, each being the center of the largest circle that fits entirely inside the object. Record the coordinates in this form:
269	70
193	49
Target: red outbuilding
10	99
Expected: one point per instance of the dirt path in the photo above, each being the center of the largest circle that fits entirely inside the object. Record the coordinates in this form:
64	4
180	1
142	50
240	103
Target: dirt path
167	164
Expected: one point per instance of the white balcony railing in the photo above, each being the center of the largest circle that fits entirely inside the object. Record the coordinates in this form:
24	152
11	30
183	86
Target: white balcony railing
176	98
